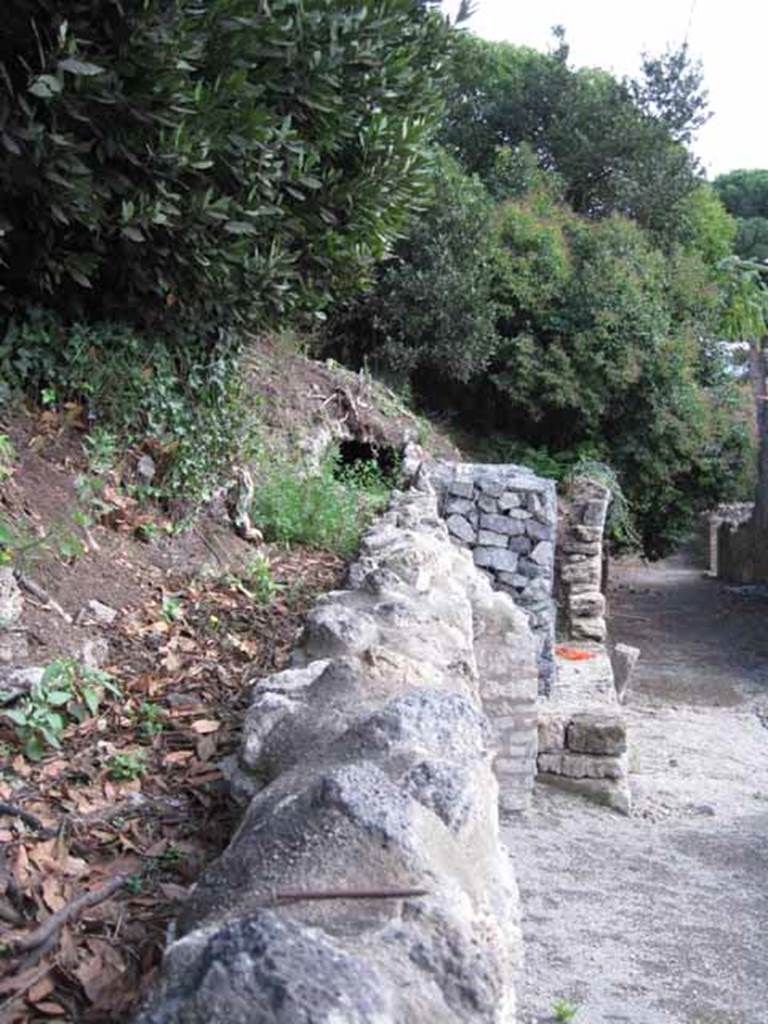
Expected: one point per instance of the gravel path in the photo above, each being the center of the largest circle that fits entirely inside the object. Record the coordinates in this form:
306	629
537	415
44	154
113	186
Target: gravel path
662	918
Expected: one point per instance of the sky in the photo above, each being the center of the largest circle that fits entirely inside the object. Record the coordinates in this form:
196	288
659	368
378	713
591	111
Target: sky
729	38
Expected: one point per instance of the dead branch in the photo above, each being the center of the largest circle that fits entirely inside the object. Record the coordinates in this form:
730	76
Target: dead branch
42	595
48	929
14	811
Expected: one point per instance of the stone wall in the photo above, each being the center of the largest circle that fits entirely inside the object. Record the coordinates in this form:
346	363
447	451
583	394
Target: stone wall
506	516
582	733
737	551
580	560
368	769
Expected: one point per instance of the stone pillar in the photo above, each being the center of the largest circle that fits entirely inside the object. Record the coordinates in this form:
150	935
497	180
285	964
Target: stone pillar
580	551
507	516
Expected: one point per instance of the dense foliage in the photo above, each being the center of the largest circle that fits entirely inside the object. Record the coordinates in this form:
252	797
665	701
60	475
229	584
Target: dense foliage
207	158
745	196
564	292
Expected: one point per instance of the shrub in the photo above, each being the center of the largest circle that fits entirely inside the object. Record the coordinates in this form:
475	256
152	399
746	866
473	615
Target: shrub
430	309
324	508
184	407
169	160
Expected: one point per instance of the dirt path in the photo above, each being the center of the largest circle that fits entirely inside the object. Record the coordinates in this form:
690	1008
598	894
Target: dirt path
662	918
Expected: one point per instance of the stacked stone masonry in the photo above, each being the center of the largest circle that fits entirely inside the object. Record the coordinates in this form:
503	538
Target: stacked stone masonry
507	515
730	517
580	560
583	735
368	765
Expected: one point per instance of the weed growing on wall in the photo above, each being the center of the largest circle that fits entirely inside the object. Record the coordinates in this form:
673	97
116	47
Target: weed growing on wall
325	508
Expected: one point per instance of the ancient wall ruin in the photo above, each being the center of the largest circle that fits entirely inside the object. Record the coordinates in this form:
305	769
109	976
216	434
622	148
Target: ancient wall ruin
506	516
366	881
580	560
737	550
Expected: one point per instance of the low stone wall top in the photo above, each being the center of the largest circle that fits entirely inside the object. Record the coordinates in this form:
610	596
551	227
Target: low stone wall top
368	765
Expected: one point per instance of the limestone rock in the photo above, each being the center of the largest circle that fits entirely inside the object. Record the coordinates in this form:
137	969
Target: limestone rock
96	613
269	969
501	524
543	553
551	733
623	660
17	682
461	528
596	732
11	600
589	629
600	791
487	538
500	559
581	766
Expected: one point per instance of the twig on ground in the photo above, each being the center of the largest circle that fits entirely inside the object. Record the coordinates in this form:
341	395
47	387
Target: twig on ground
14	811
48	929
42	595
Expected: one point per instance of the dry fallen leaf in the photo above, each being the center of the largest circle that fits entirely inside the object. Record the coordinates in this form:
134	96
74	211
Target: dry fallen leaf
51	1009
203	726
39	991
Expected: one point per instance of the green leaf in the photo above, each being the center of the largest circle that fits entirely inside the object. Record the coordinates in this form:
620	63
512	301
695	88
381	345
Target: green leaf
91	698
57	698
16	715
45	86
80	67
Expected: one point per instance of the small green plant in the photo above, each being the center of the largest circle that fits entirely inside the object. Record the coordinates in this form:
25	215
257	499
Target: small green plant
67	693
7	457
101	447
172	609
260	581
150	720
324	508
564	1011
126	767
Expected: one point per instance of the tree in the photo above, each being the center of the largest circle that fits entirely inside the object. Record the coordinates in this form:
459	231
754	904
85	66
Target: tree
617	145
430	312
745	195
202	160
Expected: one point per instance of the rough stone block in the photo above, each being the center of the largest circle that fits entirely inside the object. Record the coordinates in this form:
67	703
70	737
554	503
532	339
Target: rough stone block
539	531
461	488
508	500
487	504
589	629
596	732
501	524
623	660
543	553
593	513
581	766
514	580
499	559
459	527
459	507
551	729
11	600
587	606
491	486
606	792
522	545
487	538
